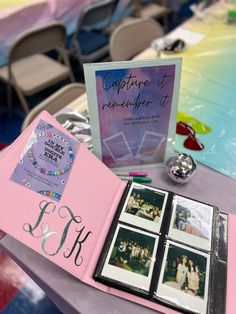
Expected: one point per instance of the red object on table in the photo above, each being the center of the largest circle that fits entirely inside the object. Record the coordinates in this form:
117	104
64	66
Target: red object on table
191	141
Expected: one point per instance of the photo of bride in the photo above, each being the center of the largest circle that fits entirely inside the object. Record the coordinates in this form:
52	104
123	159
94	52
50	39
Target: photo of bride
191	222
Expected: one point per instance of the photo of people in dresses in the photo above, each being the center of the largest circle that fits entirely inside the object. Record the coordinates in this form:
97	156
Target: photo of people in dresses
132	251
195	221
145	203
186	271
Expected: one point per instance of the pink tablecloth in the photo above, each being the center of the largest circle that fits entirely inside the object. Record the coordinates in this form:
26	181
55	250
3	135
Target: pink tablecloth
18	19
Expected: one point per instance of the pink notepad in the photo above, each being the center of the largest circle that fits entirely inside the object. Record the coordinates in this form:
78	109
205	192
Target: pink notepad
60	200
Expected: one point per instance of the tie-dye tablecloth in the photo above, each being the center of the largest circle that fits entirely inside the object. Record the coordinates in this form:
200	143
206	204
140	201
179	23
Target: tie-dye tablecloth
207	106
208	92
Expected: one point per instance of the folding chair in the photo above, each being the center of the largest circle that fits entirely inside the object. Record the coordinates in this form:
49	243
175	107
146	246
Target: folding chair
128	39
29	70
55	102
90	43
151	9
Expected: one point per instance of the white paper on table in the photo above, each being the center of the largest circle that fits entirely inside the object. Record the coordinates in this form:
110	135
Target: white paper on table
189	37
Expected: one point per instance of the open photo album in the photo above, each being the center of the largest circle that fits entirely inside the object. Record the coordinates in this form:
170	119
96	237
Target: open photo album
165	247
145	244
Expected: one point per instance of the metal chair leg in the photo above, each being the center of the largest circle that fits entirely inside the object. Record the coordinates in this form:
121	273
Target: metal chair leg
22	100
65	57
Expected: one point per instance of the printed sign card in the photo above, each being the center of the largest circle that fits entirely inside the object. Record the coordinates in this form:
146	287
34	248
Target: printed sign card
46	161
133	110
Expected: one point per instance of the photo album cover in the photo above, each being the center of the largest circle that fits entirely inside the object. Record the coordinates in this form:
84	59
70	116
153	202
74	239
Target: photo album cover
46	170
132	108
163	246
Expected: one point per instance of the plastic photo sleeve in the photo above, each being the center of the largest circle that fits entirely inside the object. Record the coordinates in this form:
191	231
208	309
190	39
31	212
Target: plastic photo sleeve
144	207
130	258
191	222
184	278
223	237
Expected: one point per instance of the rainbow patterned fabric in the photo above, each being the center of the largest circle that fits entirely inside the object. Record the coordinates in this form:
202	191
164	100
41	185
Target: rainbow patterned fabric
207	106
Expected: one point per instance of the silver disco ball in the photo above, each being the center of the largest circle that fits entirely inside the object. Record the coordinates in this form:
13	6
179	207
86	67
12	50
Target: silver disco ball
181	168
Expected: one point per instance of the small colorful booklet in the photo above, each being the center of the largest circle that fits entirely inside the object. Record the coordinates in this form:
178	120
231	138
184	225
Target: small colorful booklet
133	107
167	251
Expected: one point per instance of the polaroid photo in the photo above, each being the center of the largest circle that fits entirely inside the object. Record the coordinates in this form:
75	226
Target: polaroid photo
191	222
118	147
144	207
131	257
184	278
149	146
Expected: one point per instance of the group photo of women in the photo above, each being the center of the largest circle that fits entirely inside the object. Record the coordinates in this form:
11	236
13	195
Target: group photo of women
145	203
132	251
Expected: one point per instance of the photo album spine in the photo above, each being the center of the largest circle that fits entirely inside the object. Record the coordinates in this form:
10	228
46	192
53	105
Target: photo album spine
88	273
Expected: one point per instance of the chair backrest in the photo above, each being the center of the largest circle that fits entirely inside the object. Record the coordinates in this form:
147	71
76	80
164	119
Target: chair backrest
96	13
55	102
38	40
133	36
136	5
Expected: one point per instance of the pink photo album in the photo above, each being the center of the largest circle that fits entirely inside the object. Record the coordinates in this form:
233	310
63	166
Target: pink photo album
140	243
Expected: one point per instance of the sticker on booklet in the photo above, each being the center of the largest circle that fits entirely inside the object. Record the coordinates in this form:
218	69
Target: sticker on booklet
45	164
